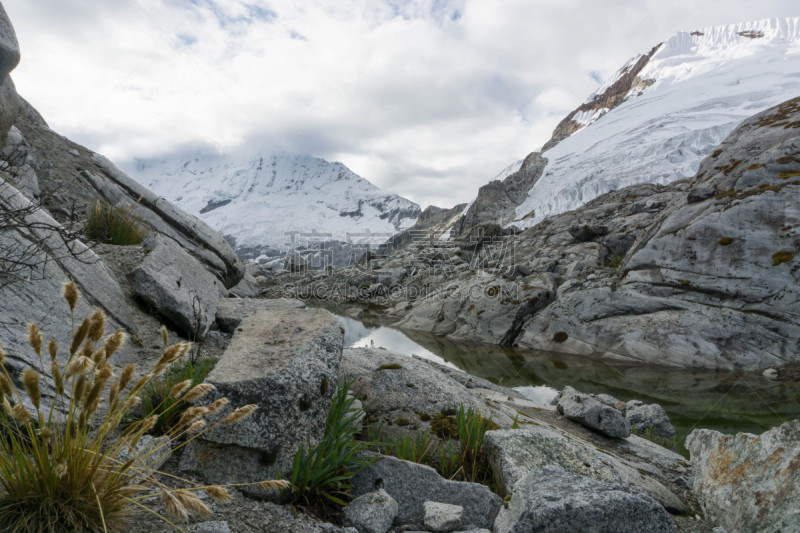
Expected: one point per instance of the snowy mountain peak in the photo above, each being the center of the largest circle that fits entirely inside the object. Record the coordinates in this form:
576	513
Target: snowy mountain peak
684	55
664	111
264	201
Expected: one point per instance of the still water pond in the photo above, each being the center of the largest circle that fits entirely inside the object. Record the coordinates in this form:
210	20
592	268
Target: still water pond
726	402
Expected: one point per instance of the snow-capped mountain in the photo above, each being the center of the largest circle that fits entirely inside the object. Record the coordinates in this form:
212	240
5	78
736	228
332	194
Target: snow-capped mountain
273	203
664	111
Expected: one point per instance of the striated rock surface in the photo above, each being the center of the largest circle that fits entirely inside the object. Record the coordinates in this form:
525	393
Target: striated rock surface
748	482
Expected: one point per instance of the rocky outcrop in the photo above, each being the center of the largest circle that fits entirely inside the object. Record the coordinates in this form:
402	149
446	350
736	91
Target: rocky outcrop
400	393
747	482
497	200
412	484
627	80
177	286
72	178
39	256
711	284
285	362
9	59
552	500
638	275
194	235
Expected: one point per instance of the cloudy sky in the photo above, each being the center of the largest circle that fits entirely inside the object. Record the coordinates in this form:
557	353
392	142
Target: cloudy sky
428	99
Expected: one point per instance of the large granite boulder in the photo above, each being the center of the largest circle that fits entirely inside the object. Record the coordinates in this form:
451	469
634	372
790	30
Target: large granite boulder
177	286
286	362
551	500
411	485
747	482
587	411
514	454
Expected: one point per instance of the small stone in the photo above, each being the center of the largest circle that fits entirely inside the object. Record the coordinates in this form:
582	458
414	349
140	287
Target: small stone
373	512
74	152
442	516
770	373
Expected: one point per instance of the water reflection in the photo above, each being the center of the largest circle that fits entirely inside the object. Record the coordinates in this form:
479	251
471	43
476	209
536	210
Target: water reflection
722	401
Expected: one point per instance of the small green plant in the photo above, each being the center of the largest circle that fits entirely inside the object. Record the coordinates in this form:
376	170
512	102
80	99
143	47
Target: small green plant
613	262
112	225
65	464
449	459
321	474
157	396
471	429
414	446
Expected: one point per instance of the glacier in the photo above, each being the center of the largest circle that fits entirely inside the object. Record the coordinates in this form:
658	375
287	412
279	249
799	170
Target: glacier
695	89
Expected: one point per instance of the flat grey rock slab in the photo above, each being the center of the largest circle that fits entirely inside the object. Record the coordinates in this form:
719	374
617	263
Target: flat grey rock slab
551	500
514	454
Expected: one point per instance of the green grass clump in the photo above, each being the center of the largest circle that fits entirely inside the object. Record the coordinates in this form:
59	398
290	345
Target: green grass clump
321	474
112	225
471	429
157	397
415	446
67	465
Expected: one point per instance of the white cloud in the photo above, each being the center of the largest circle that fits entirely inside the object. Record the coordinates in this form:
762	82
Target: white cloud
426	99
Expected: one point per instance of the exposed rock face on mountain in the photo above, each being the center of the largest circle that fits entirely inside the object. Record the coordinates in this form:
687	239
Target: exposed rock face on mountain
700	273
270	205
613	92
498	200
